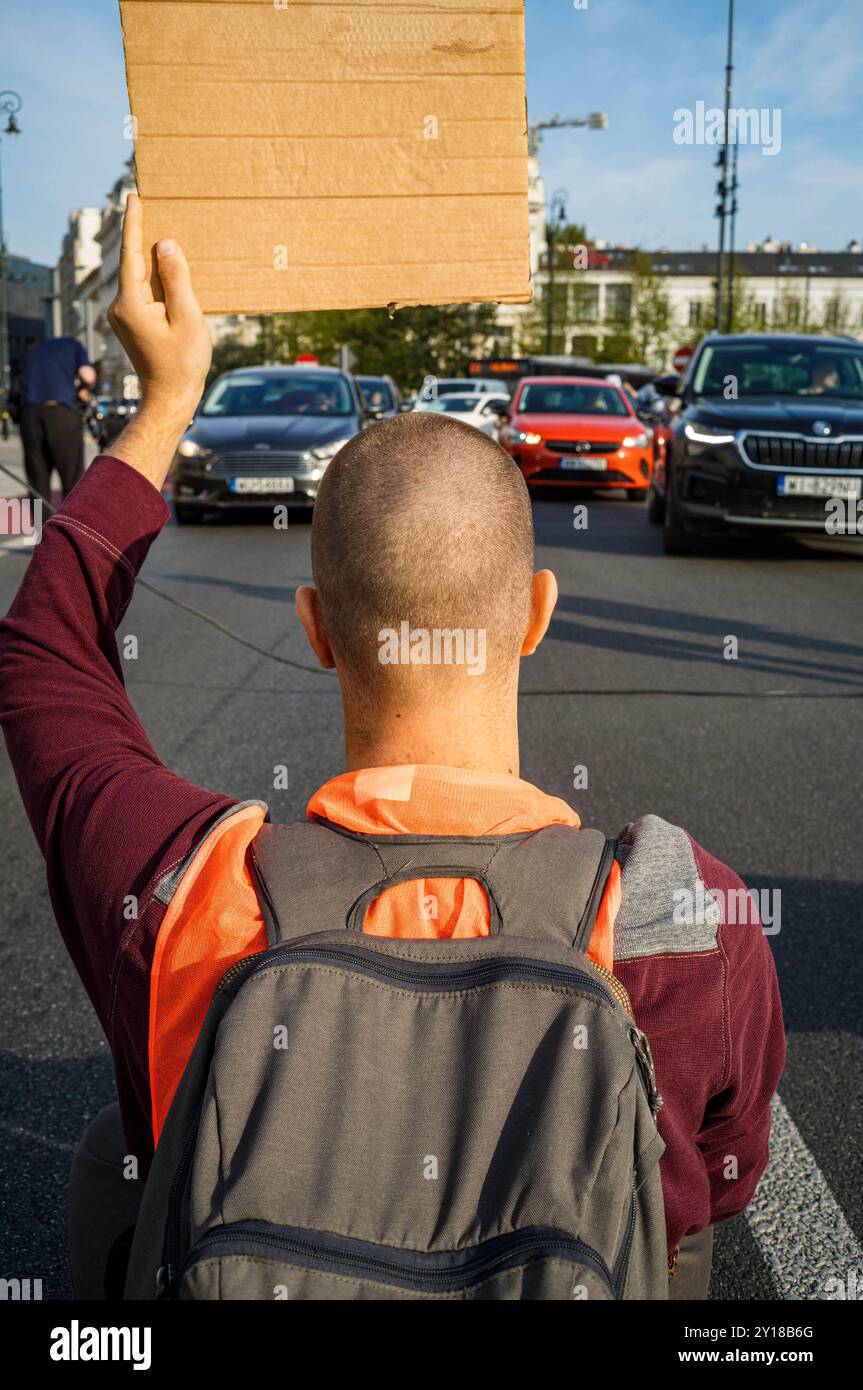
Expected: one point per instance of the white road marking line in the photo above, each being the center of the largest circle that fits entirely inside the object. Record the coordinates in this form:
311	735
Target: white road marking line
800	1228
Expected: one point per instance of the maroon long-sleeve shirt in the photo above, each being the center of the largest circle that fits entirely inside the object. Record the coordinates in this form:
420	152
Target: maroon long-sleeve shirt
115	826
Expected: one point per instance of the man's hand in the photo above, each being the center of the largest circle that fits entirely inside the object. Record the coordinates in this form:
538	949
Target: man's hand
166	339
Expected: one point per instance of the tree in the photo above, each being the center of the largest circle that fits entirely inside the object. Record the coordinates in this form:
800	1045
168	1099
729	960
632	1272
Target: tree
644	335
570	234
837	314
428	340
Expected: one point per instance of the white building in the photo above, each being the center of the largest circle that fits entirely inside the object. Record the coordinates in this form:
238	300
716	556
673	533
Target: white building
782	289
79	257
114	365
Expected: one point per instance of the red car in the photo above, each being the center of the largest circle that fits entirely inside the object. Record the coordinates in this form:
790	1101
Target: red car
578	432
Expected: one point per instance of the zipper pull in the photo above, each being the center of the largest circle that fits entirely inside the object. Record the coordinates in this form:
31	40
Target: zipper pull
164	1280
648	1070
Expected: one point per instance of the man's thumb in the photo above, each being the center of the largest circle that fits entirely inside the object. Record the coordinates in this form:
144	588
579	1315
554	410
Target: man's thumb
176	279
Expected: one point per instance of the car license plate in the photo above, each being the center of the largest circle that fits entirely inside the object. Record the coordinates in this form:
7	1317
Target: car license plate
588	462
807	485
262	485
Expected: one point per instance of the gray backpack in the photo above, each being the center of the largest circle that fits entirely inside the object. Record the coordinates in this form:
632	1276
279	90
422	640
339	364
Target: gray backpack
377	1118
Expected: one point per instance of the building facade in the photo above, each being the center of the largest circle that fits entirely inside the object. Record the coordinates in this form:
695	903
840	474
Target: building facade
598	292
79	257
115	369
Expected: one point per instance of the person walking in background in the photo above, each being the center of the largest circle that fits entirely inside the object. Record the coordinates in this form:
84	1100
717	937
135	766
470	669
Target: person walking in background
50	417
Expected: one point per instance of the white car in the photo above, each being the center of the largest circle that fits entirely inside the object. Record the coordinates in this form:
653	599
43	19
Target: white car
484	412
433	387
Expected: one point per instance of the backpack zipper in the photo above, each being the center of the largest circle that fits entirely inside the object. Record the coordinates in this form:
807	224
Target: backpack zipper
165	1272
537	1244
451	976
622	1266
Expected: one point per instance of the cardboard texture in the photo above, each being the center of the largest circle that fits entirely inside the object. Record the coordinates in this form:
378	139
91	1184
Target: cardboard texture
323	155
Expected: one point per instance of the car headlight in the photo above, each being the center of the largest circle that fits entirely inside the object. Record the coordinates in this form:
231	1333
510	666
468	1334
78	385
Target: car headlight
708	434
522	437
190	449
635	441
328	451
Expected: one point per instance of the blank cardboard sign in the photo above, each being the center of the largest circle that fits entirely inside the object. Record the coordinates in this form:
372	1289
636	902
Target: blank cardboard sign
310	154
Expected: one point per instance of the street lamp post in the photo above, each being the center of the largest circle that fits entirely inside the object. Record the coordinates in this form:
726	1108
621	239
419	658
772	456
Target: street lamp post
10	105
557	218
729	319
597	120
722	187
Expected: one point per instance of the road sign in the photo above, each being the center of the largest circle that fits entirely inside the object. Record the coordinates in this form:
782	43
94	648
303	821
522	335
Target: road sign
680	360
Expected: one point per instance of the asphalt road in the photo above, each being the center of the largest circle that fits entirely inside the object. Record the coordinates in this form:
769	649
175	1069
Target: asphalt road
633	684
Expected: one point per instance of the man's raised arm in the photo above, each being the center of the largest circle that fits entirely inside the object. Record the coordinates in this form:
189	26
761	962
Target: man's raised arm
109	817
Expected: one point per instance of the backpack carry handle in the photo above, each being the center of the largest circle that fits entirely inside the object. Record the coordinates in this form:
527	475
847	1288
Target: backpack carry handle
357	914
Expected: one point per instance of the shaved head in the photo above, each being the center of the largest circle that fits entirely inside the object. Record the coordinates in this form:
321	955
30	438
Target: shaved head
425	521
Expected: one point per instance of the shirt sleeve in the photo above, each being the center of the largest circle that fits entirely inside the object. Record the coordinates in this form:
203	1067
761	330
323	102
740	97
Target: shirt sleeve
705	992
735	1131
109	817
81	357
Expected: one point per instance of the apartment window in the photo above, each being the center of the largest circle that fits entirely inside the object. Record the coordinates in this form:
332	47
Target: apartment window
695	311
761	315
585	303
618	303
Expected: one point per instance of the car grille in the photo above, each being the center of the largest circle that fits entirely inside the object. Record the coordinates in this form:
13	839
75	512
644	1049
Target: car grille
266	464
582	446
594	477
794	451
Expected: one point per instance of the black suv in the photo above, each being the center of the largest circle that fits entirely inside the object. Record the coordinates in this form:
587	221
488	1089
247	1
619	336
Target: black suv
264	435
769	430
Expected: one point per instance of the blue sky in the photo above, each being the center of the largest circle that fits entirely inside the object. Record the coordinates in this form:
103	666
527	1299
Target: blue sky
638	60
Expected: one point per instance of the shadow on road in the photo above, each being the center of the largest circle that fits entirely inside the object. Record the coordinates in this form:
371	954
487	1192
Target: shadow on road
45	1107
679	636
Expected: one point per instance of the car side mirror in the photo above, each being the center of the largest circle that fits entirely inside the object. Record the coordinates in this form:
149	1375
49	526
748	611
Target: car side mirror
667	385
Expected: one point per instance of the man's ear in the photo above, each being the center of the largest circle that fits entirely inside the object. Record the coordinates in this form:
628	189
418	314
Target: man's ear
308	607
542	600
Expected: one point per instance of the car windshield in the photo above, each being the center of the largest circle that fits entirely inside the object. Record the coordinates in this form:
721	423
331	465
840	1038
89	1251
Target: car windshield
376	392
455	405
455	388
291	394
569	399
733	371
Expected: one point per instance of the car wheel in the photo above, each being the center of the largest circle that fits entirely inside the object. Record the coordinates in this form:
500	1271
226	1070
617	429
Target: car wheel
655	507
637	494
187	516
676	538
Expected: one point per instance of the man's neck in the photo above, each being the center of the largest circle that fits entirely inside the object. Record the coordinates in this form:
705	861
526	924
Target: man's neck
461	736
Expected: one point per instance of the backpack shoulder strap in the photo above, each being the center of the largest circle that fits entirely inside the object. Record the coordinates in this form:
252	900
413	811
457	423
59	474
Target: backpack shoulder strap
315	876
